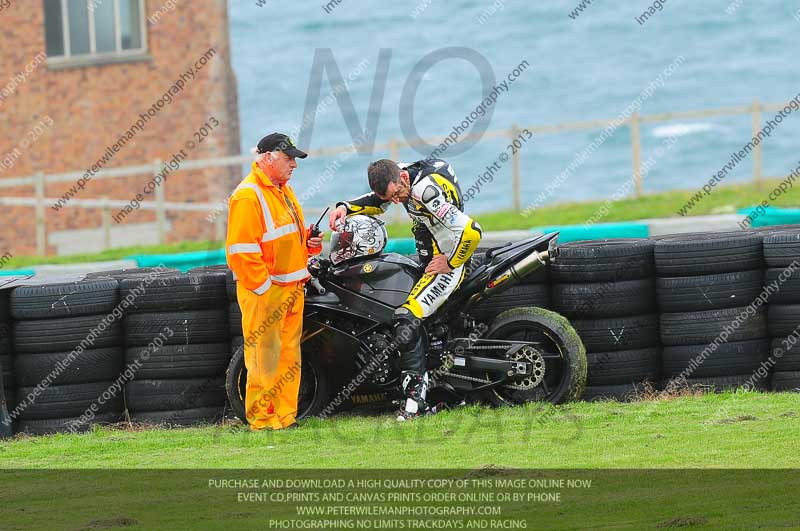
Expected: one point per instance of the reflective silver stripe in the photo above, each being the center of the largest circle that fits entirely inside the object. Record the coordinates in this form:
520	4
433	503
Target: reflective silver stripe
262	289
243	248
277	233
262	200
233	273
292	277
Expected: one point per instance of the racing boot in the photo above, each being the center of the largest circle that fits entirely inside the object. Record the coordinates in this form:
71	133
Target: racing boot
415	389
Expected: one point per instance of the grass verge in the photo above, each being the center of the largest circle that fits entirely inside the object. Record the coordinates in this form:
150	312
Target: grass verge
631	463
727	430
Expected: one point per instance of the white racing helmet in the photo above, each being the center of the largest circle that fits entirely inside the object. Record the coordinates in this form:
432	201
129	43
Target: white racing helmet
359	236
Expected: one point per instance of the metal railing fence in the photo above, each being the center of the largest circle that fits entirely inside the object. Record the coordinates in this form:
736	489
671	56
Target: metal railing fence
39	202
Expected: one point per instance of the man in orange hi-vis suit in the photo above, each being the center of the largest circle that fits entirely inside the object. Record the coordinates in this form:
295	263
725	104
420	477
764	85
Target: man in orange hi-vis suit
267	248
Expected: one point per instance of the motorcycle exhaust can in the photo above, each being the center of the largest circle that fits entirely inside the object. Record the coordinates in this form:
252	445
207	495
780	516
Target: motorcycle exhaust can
513	275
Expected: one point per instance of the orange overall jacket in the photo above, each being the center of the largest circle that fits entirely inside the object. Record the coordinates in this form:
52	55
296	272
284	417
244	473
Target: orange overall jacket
267	236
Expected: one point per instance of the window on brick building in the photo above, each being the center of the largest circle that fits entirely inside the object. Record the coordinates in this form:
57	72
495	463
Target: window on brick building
88	29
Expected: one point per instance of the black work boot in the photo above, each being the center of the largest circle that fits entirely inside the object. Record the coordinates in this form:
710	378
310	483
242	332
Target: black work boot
415	388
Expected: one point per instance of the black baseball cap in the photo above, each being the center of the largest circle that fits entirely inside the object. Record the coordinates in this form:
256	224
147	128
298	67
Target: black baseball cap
280	142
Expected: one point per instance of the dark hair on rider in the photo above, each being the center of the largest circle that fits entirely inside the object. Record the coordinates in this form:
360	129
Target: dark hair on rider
381	173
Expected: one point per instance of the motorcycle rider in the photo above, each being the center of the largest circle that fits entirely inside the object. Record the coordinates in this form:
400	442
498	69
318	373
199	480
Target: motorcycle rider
445	238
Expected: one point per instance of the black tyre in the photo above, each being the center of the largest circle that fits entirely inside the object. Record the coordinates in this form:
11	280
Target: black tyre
767	230
235	319
623	367
178	328
67	425
218	268
729	383
64	368
610	260
618	333
66	401
536	295
198	291
786	381
785	285
230	286
11	398
708	292
179	417
786	353
565	363
5	305
604	299
783	319
620	393
73	299
704	361
5	337
702	328
708	254
7	371
782	248
134	273
61	335
166	395
179	361
313	397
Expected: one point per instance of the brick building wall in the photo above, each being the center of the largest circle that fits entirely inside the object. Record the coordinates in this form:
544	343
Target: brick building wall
59	118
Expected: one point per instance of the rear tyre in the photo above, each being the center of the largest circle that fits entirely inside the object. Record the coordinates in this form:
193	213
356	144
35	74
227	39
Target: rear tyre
565	372
315	388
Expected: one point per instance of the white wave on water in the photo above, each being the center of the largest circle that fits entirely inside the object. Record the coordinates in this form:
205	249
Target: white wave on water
666	131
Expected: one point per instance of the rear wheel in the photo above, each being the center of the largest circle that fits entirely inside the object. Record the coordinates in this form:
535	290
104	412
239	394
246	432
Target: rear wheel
556	348
312	397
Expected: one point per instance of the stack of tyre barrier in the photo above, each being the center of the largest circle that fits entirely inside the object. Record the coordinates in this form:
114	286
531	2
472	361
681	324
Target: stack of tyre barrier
713	325
605	288
234	314
176	337
782	254
67	340
532	291
6	354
